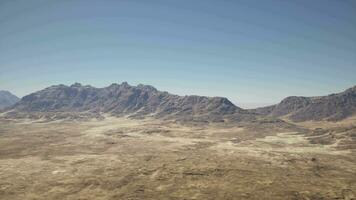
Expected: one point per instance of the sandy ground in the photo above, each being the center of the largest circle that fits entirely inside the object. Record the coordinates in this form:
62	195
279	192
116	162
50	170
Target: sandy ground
119	158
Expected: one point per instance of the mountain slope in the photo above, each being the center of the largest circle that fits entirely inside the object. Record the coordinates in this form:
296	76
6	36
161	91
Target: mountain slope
7	99
124	99
332	107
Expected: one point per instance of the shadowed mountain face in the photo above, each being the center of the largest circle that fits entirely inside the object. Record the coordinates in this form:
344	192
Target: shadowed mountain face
7	99
332	107
124	99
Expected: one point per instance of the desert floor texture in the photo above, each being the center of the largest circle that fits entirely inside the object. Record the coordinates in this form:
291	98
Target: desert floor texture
121	158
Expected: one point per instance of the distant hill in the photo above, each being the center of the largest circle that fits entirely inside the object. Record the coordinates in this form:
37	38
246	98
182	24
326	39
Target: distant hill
7	99
332	107
124	99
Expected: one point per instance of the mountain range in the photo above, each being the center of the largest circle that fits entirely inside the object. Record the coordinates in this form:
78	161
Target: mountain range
144	100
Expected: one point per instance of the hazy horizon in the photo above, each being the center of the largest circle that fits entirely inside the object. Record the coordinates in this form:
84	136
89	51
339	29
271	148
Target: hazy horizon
255	53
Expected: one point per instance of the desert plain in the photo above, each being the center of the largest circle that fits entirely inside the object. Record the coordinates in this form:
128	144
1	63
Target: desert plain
123	158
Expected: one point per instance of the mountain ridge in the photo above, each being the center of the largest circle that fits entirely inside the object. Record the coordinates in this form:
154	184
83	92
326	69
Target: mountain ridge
145	100
124	99
7	99
332	107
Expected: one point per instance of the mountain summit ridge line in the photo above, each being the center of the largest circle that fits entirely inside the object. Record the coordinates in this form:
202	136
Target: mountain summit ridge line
146	100
124	99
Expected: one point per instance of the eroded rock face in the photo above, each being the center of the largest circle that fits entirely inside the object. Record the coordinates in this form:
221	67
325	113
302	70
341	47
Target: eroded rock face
332	107
290	104
123	99
7	99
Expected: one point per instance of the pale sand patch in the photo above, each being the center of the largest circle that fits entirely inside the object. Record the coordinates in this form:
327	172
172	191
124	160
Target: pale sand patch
289	142
350	121
58	171
134	128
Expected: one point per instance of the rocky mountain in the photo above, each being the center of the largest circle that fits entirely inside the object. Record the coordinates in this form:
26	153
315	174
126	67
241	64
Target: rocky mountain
144	100
332	107
7	99
124	99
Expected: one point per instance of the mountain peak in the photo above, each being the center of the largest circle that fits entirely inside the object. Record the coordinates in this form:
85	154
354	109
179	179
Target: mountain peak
146	87
352	89
76	84
7	99
125	84
5	92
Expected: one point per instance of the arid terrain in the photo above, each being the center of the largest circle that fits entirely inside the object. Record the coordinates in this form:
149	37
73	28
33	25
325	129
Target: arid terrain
122	158
178	100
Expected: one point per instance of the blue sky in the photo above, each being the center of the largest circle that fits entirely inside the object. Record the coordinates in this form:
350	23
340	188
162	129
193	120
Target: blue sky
253	52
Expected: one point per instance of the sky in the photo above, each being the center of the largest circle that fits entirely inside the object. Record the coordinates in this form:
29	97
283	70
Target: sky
253	52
